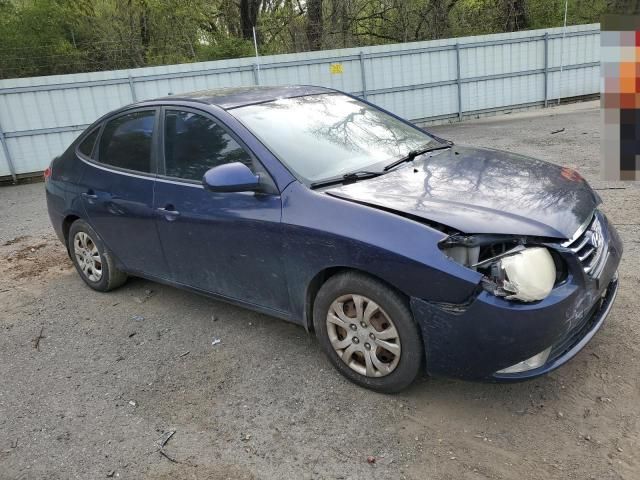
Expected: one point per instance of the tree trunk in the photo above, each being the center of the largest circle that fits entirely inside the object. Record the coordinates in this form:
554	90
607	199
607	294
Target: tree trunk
437	18
515	13
248	17
314	24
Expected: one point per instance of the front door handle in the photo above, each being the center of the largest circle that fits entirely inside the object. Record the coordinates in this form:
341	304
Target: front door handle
89	195
169	212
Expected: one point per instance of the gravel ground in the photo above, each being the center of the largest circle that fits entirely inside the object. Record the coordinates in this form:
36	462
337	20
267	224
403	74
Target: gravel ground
114	372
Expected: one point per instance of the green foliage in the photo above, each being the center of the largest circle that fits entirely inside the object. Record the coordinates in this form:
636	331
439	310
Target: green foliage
550	13
223	47
44	37
33	38
478	17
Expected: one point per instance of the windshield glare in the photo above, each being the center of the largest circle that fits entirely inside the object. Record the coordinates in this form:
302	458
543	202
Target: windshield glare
320	137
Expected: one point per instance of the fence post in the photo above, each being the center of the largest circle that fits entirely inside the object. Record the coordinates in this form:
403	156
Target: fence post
7	155
458	81
256	77
363	75
133	89
546	69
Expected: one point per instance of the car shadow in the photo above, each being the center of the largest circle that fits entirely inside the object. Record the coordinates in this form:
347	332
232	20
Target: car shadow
279	335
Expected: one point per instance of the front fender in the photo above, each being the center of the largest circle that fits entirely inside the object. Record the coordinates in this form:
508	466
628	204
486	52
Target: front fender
321	231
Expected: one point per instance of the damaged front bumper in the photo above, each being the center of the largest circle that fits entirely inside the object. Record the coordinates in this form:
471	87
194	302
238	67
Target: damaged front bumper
491	334
565	350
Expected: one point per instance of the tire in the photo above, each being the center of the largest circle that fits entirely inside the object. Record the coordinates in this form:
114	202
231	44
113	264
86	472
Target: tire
382	310
93	261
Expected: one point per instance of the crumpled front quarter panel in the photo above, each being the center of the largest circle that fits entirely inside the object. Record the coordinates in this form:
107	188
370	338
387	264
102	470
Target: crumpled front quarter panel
321	231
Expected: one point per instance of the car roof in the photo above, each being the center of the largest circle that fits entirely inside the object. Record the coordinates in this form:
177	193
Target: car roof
234	97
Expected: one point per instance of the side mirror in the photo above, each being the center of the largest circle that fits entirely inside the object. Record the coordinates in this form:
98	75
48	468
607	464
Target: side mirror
231	177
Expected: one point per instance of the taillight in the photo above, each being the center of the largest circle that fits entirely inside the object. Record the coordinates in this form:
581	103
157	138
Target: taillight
47	174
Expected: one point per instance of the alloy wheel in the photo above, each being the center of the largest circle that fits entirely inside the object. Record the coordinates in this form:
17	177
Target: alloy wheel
363	335
87	256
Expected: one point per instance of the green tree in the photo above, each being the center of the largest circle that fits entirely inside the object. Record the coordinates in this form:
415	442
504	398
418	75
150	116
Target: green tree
44	37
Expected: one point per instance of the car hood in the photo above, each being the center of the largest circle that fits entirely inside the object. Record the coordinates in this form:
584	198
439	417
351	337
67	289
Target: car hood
476	190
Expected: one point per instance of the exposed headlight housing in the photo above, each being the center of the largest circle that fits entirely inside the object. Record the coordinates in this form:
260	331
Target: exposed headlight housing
528	275
511	269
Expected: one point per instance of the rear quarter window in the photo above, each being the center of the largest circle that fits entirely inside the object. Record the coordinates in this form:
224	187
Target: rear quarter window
86	146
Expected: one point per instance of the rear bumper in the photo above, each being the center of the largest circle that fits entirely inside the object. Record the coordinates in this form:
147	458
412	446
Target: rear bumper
490	334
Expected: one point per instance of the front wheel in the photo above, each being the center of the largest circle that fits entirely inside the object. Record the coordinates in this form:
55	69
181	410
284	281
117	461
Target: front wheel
368	332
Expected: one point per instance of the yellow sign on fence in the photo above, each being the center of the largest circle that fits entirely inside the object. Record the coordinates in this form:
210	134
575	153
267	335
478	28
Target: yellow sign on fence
336	68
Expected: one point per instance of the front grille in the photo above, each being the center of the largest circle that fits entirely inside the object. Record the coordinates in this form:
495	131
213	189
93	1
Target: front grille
590	247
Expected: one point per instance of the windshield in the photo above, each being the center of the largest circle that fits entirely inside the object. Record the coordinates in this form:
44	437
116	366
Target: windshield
320	137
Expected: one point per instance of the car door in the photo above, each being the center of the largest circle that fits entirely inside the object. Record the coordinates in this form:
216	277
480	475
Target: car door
224	243
117	190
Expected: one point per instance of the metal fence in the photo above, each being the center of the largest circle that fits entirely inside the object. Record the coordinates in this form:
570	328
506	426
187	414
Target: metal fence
422	81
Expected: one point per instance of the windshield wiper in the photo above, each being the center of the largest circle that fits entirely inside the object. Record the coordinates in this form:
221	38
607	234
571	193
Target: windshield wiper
415	153
347	178
353	177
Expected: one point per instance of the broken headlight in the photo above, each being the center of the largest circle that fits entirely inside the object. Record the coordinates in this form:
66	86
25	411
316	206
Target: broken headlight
527	275
511	269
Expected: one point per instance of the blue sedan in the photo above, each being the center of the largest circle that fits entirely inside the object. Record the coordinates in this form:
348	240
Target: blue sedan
402	251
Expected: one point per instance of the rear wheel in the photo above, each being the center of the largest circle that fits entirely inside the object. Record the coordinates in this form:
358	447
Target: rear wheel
91	258
368	332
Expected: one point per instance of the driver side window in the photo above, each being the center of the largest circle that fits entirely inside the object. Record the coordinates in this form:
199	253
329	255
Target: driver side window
194	143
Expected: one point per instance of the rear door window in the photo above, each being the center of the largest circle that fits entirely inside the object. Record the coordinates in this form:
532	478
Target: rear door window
194	143
86	147
126	141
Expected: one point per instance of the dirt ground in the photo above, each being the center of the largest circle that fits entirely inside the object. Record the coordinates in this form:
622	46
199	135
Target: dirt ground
90	382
